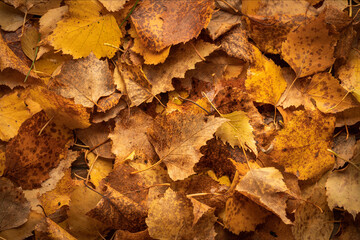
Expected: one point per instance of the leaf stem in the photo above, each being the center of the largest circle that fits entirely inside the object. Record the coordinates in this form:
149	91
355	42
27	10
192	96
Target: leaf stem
33	62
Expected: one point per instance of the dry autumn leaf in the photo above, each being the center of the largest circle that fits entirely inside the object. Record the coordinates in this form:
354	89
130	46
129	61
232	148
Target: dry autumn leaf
156	26
177	139
86	31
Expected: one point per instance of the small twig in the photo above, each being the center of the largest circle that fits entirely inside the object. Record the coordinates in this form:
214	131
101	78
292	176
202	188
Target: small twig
113	46
46	124
184	99
202	194
33	62
197	52
42	209
76	175
346	160
91	168
81	146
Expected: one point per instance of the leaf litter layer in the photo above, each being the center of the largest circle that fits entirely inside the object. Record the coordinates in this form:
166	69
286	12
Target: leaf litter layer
179	119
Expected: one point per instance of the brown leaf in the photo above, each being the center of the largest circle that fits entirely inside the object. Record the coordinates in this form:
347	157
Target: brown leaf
85	80
48	229
177	139
266	187
310	48
155	24
142	235
14	207
29	157
221	22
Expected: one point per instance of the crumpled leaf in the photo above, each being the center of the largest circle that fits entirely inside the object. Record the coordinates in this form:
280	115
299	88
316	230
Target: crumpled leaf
238	131
177	139
155	25
48	229
181	59
301	146
343	189
265	81
86	31
29	157
266	187
14	208
242	214
310	48
13	112
10	18
85	80
349	74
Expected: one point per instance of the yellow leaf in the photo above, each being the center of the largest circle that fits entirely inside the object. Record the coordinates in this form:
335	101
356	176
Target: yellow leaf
265	81
349	74
48	229
301	147
100	168
86	31
238	131
13	112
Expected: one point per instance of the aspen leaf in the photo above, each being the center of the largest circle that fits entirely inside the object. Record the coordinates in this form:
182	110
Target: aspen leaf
85	80
266	187
113	5
177	139
86	31
301	147
10	18
342	189
349	74
238	131
14	207
309	48
13	112
29	157
265	81
159	28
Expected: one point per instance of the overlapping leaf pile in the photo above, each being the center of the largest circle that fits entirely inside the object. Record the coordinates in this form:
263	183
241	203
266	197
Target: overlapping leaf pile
160	119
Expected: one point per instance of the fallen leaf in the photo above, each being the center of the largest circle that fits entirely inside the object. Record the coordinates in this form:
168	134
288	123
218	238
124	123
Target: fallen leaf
14	207
265	81
142	235
348	117
29	157
13	112
221	22
85	80
301	147
113	5
48	20
49	229
10	18
155	25
29	41
310	48
182	58
348	74
108	102
86	31
266	187
342	189
36	7
273	229
177	139
242	214
238	131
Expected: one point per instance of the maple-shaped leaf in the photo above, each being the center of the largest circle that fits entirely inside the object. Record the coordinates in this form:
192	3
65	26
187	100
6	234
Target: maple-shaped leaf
349	74
238	131
265	81
86	31
301	147
156	26
343	189
13	112
182	58
14	207
30	156
266	187
177	139
61	109
48	229
85	80
242	214
309	48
